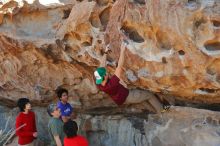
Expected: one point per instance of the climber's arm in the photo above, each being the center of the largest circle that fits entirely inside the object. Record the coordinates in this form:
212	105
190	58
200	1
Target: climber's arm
119	69
103	60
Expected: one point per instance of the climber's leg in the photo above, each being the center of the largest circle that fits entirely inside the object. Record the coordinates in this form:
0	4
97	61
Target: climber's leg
137	96
155	103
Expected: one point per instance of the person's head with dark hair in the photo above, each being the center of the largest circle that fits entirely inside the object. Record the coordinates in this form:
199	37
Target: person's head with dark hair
70	128
53	111
24	104
62	94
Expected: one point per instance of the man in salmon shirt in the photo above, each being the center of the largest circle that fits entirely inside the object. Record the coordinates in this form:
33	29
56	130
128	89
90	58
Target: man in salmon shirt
25	123
116	87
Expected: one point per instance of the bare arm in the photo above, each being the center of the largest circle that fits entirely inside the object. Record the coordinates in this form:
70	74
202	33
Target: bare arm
105	81
104	57
103	61
119	70
57	140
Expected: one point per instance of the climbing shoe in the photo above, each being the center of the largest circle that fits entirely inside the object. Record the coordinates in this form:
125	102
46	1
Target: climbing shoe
165	108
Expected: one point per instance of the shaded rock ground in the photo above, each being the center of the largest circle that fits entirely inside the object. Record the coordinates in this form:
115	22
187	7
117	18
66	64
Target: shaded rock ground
180	126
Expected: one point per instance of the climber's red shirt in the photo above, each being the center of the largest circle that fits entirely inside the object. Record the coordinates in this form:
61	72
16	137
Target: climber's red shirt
116	90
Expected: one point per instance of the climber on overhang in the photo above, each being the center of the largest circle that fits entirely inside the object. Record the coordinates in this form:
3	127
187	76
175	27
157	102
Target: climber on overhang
115	86
111	85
